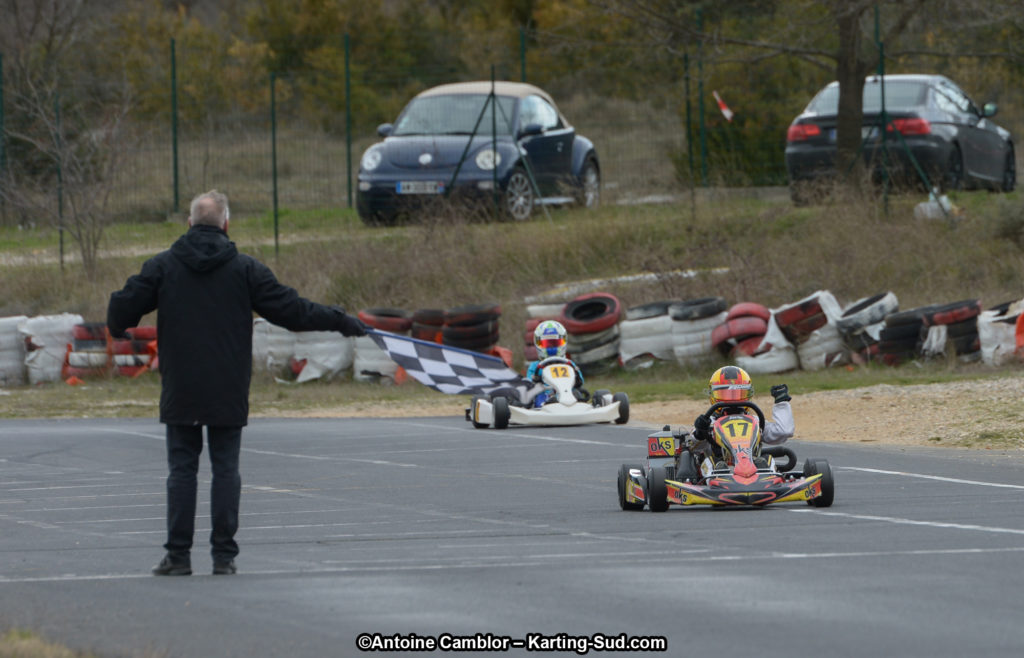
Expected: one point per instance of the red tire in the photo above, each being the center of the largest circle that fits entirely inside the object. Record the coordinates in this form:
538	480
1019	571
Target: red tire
395	320
591	313
792	314
953	313
142	333
749	347
731	332
472	314
89	331
749	308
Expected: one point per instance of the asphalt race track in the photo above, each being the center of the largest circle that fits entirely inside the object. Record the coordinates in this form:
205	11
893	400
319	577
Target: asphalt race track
429	527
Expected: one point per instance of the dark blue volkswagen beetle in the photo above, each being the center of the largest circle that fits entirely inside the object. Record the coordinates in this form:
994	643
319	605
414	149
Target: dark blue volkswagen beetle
450	142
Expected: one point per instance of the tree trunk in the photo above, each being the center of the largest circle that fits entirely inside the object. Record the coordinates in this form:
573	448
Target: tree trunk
850	71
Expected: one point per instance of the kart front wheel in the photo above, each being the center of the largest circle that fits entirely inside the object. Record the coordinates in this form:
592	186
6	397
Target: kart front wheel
828	483
657	492
501	412
598	397
623	401
622	481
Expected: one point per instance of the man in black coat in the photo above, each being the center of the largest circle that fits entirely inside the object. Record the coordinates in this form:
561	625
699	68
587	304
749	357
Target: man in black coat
205	293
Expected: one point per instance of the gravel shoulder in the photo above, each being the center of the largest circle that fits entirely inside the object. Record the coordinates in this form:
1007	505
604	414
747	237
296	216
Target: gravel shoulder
984	414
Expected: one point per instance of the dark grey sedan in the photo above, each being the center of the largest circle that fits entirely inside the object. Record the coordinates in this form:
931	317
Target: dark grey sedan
954	142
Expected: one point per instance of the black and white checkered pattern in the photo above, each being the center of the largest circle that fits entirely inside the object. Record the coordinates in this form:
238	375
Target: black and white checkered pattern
449	369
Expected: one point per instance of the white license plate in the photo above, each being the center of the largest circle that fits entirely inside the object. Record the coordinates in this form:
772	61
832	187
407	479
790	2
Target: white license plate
419	187
866	132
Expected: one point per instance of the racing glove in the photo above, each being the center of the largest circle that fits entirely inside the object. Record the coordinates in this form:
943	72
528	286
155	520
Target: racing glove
781	393
350	325
702	426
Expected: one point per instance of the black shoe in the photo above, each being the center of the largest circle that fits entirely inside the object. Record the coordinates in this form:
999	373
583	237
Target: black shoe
760	462
171	567
224	568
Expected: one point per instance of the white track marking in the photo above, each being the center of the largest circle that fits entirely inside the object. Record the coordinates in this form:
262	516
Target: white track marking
902	521
924	476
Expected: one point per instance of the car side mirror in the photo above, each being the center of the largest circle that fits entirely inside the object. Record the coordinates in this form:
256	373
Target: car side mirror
385	129
531	129
989	110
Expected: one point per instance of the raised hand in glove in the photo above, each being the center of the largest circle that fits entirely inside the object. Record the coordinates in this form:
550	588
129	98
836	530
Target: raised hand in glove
702	426
781	393
350	325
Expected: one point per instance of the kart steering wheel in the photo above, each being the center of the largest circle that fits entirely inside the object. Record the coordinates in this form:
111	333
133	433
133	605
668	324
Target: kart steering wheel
552	359
749	405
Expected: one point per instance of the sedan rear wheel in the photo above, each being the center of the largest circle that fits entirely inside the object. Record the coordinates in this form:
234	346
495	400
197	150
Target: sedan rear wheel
1009	172
954	175
519	198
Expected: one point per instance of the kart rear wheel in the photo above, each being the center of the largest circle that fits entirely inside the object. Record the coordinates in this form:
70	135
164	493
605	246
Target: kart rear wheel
472	412
501	412
623	479
828	483
623	401
657	492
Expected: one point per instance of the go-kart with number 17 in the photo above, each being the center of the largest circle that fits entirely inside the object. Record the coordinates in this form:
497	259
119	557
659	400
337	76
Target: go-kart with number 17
736	470
564	406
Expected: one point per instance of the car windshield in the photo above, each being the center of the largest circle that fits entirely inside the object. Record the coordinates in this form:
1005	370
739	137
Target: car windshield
898	94
455	114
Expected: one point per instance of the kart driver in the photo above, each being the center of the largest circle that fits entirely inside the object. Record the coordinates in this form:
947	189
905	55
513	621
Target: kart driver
732	384
551	339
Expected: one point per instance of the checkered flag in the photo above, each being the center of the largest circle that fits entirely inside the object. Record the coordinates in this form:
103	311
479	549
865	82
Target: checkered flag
449	369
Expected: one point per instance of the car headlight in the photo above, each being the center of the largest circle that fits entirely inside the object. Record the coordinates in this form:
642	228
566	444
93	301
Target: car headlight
488	159
371	159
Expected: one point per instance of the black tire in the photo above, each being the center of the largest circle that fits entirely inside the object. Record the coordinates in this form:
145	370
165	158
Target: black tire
657	492
1009	172
696	309
588	193
901	332
590	313
867	311
579	343
434	317
518	198
472	314
463	331
598	396
912	316
621	486
623	401
472	409
501	412
828	483
953	176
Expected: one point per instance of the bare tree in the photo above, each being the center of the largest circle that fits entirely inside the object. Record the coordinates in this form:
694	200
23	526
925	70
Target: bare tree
65	133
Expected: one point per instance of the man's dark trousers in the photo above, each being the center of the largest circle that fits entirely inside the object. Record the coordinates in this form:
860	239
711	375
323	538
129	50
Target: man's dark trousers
184	447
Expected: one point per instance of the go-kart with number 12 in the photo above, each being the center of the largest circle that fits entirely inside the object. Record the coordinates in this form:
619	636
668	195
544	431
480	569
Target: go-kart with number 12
564	407
736	470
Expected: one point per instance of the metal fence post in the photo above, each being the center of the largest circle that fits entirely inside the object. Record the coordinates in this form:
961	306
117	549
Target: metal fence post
174	123
348	121
273	150
700	102
60	175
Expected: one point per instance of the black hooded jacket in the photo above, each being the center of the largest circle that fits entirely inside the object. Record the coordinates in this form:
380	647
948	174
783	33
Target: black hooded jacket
205	293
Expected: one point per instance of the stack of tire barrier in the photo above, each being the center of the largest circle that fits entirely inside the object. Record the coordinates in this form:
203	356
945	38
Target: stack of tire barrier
535	314
693	321
645	335
592	322
135	354
861	324
370	363
273	347
427	324
901	338
88	354
743	330
321	355
46	340
953	326
809	325
1001	333
12	352
474	327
